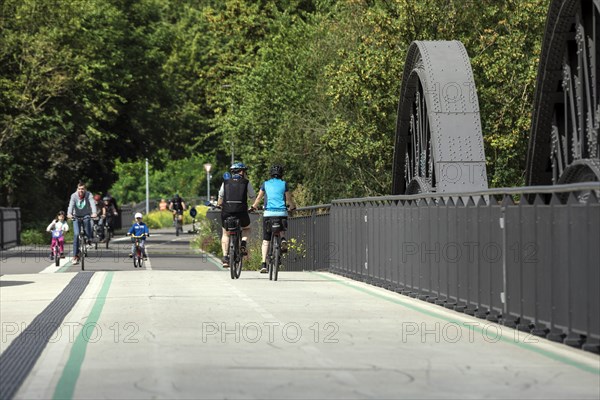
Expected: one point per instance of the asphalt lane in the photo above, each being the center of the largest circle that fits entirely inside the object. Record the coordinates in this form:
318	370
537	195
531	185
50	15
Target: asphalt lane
165	251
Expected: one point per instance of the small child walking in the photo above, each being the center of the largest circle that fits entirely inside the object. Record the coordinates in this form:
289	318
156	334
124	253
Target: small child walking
58	227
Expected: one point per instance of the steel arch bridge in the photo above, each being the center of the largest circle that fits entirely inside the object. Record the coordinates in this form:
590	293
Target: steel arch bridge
439	142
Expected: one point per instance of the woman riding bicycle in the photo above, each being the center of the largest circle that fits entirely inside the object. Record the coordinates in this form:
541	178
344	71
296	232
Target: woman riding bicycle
278	198
233	199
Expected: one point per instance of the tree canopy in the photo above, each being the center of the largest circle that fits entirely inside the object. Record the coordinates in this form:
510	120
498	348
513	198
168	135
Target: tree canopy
91	88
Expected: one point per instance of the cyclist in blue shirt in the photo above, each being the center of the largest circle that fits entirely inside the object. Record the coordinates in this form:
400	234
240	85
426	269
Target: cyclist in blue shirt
138	229
277	199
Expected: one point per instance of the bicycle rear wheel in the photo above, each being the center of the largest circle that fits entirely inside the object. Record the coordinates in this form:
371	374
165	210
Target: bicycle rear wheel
276	257
232	255
237	268
271	257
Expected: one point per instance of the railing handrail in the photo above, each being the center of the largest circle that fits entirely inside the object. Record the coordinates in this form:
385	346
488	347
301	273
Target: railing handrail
550	189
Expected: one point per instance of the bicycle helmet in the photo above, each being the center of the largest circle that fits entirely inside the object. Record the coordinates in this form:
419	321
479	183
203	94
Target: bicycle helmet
276	171
138	215
238	167
106	198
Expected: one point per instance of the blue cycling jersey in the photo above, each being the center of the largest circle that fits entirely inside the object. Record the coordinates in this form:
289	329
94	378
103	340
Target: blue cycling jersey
275	190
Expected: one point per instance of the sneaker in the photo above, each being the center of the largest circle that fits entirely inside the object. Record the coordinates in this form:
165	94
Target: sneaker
62	255
226	262
243	249
145	258
284	246
130	255
263	268
75	260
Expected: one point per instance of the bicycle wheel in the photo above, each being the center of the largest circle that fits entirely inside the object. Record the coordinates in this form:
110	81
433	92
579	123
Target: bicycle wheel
270	257
56	256
233	255
82	250
137	258
276	257
239	260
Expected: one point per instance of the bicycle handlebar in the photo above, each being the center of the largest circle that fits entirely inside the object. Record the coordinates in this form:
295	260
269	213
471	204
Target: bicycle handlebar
138	237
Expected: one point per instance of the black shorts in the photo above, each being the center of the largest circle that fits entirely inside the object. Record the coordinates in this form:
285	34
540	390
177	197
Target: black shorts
267	226
243	216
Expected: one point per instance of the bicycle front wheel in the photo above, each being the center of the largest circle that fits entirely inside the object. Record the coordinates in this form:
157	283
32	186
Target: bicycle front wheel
56	256
82	250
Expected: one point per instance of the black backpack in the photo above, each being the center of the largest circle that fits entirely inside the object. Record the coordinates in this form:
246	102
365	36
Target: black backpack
235	198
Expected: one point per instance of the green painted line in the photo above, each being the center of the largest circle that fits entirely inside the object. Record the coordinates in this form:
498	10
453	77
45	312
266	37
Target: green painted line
66	384
504	337
65	267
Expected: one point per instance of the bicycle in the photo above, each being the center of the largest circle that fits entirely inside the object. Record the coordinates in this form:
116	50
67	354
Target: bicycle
138	254
178	222
82	239
236	259
56	248
277	227
102	230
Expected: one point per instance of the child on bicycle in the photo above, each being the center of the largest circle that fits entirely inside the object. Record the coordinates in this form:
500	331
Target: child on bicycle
58	227
139	228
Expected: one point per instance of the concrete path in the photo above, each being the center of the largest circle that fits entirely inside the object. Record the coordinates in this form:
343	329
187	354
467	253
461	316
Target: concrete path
142	334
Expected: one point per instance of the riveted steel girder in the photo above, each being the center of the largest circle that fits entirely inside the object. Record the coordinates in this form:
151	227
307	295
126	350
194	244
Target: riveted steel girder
563	143
439	143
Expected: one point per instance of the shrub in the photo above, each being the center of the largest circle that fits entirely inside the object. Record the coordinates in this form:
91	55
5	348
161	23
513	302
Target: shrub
34	236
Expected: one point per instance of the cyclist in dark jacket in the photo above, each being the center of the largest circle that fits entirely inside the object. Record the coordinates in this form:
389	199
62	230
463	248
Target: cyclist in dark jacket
233	199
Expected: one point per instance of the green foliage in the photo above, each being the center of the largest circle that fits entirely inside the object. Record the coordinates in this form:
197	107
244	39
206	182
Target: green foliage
207	239
34	236
186	177
89	89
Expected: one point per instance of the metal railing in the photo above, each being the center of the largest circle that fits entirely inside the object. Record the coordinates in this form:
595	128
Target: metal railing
10	227
525	257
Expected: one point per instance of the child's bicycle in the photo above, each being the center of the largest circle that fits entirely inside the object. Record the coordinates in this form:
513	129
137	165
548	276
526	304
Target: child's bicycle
56	248
138	254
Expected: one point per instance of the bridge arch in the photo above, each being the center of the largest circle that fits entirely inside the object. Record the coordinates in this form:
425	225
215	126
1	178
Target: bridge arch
563	143
439	143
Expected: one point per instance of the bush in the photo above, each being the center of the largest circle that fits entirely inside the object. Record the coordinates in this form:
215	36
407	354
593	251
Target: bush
35	236
207	238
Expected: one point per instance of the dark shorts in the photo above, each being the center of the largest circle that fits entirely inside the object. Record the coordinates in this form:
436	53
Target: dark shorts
267	226
244	218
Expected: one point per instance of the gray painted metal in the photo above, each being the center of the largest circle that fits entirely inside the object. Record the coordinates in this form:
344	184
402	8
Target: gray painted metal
563	144
10	227
439	143
524	257
21	355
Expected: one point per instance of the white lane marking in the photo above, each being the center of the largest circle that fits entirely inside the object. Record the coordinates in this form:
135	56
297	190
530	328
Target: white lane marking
147	263
52	268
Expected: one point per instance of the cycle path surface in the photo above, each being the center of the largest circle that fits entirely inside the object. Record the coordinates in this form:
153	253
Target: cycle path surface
140	334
